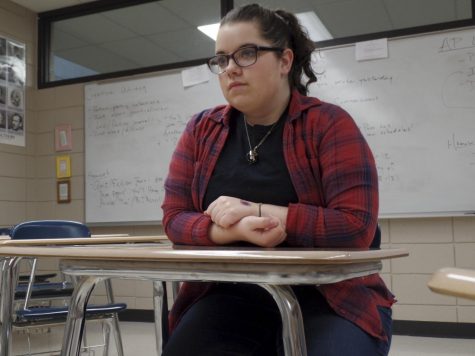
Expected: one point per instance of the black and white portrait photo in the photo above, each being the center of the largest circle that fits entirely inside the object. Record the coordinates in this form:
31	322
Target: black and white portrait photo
3	119
3	70
16	51
15	98
15	122
3	47
3	95
16	76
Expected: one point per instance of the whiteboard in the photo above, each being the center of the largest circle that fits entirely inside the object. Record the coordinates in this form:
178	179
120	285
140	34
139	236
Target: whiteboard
131	129
416	108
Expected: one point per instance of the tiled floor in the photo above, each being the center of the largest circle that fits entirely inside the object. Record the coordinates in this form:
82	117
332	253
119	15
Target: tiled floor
138	339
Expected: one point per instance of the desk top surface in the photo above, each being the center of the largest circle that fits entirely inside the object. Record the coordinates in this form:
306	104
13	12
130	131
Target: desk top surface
167	252
93	240
457	282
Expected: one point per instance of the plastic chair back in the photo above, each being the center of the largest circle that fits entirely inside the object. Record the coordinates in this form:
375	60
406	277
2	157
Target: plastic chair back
376	243
51	229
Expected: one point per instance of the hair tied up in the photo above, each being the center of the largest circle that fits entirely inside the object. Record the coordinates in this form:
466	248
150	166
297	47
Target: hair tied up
282	29
280	17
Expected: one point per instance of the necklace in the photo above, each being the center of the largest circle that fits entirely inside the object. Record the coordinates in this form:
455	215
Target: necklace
252	155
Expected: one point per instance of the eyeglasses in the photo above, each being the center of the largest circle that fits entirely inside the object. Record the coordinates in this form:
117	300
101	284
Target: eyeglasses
243	57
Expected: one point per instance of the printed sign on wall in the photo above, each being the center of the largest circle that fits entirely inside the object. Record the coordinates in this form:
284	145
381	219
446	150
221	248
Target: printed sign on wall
12	92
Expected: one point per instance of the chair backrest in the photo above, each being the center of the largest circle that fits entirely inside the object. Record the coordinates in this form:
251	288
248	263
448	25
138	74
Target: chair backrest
49	229
376	243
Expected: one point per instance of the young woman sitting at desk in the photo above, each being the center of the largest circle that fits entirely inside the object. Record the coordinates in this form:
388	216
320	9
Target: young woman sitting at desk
273	168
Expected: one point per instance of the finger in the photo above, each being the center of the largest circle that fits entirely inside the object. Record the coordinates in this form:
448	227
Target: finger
210	207
215	211
267	222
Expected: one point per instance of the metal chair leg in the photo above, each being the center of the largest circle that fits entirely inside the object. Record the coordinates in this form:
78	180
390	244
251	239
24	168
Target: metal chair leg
158	300
106	336
9	278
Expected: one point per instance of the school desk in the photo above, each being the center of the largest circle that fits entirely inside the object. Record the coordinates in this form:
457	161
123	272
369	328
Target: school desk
9	269
457	282
273	269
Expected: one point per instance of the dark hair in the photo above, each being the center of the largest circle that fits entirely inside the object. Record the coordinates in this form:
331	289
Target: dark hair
282	29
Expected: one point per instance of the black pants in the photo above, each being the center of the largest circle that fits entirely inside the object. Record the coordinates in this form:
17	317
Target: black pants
242	319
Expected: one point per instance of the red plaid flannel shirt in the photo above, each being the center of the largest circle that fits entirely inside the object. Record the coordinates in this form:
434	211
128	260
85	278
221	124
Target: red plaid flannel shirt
334	176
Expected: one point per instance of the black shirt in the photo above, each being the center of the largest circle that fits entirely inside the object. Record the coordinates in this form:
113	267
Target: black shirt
266	181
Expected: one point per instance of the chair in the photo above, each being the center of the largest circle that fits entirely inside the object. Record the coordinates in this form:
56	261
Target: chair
376	243
45	277
28	316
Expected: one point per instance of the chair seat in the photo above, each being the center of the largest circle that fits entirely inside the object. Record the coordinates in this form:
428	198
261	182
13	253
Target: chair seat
46	313
45	290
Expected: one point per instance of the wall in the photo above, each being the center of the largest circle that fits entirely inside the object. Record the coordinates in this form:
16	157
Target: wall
28	191
432	243
17	173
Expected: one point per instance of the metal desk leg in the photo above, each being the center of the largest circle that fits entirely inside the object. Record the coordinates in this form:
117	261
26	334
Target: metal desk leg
115	325
76	316
175	289
9	276
158	293
293	332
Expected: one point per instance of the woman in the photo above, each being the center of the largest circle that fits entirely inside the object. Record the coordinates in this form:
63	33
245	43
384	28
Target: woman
273	168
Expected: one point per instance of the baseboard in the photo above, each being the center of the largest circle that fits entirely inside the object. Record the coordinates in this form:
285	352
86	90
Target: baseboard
400	327
139	315
434	329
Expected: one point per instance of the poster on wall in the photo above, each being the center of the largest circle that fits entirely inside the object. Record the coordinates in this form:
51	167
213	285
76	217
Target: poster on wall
12	92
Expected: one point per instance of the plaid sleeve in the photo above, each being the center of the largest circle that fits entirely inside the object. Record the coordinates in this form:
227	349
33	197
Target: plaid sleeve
340	184
183	221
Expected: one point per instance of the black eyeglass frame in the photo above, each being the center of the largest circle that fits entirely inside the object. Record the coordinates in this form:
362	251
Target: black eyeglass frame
231	55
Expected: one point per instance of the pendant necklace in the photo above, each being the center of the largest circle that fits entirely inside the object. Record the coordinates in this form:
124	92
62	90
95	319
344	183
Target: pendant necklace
252	155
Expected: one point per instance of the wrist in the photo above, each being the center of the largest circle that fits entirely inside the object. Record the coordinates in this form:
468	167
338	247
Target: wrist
259	209
220	235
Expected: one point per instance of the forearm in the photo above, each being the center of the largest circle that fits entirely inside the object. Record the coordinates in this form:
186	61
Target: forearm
222	236
188	228
316	226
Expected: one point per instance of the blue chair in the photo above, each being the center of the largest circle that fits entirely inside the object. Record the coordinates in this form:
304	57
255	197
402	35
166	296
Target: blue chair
376	243
34	291
45	277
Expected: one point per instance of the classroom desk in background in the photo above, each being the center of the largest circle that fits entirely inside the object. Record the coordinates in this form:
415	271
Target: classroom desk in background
273	269
9	269
457	282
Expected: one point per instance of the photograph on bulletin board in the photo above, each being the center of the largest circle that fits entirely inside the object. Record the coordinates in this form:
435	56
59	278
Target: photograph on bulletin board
12	92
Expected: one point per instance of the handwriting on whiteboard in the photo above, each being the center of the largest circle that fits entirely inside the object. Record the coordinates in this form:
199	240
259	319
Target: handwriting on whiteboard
125	191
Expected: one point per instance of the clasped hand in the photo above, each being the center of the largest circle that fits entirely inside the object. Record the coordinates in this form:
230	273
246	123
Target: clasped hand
241	217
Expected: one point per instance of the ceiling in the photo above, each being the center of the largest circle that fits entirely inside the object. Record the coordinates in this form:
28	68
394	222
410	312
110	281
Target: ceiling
165	31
